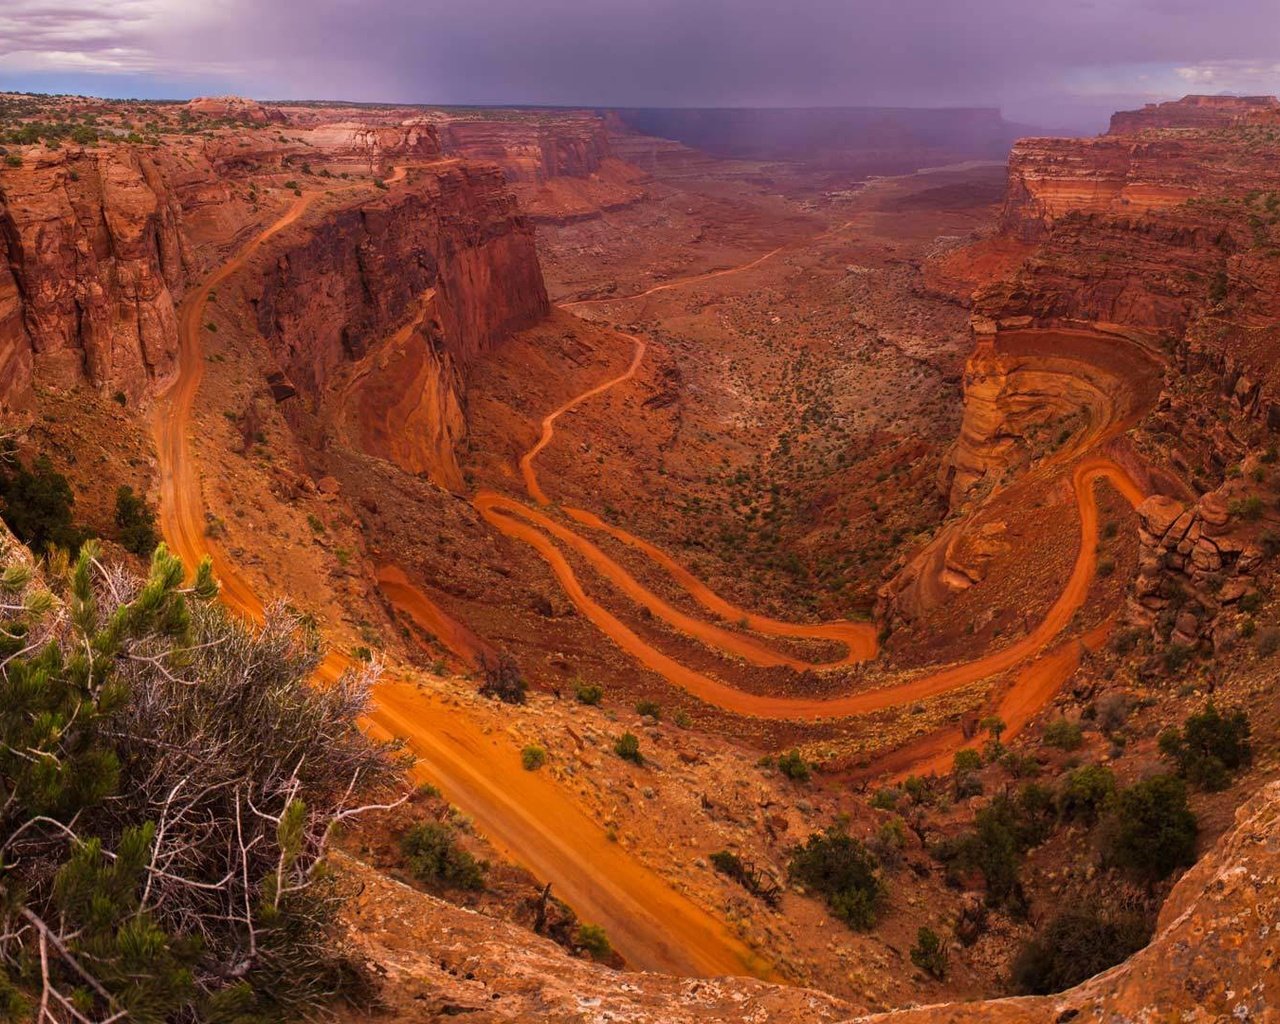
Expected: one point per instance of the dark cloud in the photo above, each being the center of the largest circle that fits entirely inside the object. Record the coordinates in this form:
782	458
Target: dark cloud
1034	59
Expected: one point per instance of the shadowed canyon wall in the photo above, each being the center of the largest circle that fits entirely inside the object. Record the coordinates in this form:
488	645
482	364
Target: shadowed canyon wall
379	311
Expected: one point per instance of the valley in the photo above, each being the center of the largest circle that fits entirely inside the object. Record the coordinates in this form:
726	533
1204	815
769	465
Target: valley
836	480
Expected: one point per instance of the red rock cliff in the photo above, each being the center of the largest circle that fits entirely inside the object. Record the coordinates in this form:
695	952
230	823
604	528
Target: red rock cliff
92	260
1193	112
378	313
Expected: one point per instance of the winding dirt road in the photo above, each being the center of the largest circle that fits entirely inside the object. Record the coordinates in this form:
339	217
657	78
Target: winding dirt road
525	814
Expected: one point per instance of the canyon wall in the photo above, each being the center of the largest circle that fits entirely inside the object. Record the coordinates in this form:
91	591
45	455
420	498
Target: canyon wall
561	166
92	262
1194	112
377	311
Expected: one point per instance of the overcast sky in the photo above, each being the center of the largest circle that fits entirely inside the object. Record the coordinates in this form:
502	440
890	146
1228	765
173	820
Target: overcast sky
1048	62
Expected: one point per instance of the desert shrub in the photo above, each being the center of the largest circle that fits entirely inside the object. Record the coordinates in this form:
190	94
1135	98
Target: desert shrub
502	679
1151	831
930	953
886	798
1063	734
594	941
1111	712
755	880
1003	831
794	766
37	505
843	870
1250	508
533	757
589	693
627	747
1074	946
172	781
648	708
966	761
1086	792
1209	747
888	843
434	857
136	521
917	789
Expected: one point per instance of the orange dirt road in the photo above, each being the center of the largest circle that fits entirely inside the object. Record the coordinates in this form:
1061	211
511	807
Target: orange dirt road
506	515
525	814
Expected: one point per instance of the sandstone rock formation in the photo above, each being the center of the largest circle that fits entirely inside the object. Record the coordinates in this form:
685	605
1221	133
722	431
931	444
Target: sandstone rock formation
1193	112
236	108
92	261
447	254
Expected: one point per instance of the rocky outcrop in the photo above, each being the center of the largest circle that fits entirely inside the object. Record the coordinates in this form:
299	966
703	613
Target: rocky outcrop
1198	560
236	108
561	166
1193	112
447	254
1214	957
531	147
92	261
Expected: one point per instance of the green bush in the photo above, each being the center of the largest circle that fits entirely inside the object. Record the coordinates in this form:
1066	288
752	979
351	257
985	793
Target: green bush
966	761
1063	734
533	757
930	953
1209	747
1086	792
136	522
592	939
627	747
1074	946
843	870
37	506
1151	831
172	780
793	766
435	858
648	708
589	693
1003	831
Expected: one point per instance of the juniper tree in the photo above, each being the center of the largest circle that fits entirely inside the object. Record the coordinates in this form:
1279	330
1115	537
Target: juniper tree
169	781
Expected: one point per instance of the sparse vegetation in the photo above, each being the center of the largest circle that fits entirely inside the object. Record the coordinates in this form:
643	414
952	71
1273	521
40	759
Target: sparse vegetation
37	504
1063	734
1150	831
589	693
593	940
627	747
648	709
502	679
1210	747
930	953
1075	945
756	881
843	871
136	521
1085	793
533	757
435	858
794	766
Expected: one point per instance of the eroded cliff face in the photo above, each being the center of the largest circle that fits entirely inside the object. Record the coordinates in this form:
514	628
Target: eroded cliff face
561	166
377	314
1194	112
92	261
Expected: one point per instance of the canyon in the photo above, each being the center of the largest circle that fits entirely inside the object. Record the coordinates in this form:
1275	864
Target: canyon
815	439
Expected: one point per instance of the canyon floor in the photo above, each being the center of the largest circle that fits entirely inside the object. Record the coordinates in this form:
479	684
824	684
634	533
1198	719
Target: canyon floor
771	464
